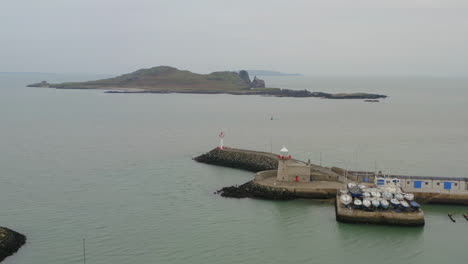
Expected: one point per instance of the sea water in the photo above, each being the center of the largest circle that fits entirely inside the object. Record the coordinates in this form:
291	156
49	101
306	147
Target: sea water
117	171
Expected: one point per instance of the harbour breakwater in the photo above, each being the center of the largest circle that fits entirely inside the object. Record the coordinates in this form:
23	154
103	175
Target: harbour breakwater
324	182
265	165
240	159
253	161
10	242
253	190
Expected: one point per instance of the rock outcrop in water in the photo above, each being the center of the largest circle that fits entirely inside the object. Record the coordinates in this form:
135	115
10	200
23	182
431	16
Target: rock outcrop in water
10	242
240	159
252	190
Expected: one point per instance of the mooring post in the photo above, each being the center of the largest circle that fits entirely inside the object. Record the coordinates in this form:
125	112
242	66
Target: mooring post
84	252
451	217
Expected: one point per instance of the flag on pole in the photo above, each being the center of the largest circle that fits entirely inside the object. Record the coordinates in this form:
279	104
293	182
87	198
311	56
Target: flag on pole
221	135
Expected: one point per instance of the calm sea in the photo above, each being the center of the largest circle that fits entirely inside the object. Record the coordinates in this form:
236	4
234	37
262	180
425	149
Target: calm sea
116	170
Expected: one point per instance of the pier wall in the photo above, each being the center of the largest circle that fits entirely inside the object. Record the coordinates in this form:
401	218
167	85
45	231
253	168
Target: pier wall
389	217
355	176
318	176
259	176
441	198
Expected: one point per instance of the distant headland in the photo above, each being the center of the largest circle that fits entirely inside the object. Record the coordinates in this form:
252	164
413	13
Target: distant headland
271	73
165	79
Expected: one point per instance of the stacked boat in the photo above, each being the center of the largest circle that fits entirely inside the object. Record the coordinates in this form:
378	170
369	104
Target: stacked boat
377	198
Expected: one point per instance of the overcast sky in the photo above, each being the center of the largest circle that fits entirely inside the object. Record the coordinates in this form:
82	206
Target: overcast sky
428	37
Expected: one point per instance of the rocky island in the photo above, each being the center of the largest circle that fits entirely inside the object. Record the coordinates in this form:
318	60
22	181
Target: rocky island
165	79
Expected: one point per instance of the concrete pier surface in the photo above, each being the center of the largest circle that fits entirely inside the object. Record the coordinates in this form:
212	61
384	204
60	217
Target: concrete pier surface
314	189
387	217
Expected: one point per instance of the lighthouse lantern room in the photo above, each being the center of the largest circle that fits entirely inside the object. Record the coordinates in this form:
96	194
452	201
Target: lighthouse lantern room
284	153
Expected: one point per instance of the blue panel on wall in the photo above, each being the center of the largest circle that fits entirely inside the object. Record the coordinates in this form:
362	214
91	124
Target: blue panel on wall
447	185
417	184
380	182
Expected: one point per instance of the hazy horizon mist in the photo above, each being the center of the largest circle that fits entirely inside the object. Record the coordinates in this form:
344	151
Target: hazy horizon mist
337	37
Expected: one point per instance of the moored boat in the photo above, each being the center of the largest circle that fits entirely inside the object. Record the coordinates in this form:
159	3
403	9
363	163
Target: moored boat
357	203
375	203
355	191
395	203
399	196
387	195
409	196
366	194
366	203
346	199
384	204
414	205
404	205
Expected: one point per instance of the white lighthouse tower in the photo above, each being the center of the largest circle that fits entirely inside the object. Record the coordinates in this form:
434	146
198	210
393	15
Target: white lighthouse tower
221	140
290	170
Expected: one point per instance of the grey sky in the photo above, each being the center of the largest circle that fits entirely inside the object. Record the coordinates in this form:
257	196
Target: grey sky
307	36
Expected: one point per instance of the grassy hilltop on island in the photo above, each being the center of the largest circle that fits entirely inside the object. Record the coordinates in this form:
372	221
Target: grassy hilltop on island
165	79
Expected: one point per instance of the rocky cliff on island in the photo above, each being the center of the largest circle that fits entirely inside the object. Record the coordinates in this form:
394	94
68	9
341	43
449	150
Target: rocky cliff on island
165	79
10	242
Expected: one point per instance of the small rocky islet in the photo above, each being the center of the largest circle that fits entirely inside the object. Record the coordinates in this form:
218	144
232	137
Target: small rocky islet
158	79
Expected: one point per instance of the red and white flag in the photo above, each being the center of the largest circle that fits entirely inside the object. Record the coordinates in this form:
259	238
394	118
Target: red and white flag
221	135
